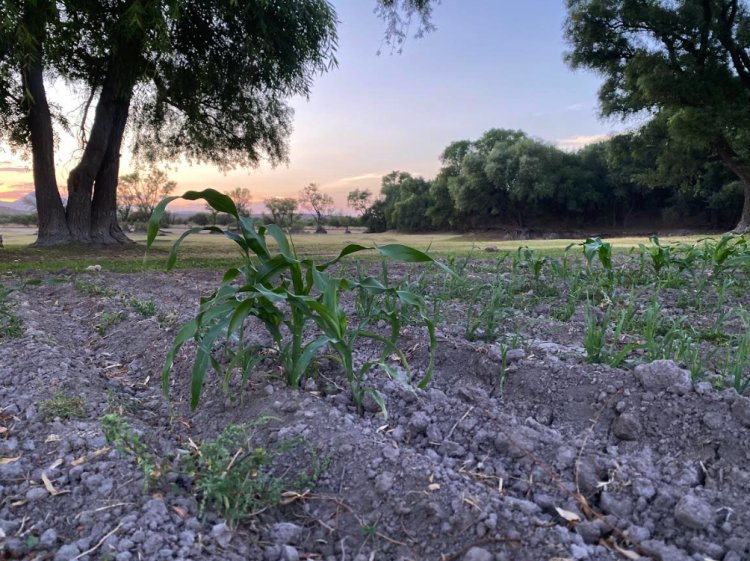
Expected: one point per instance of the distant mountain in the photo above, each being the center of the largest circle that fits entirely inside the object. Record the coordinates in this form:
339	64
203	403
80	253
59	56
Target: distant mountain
8	210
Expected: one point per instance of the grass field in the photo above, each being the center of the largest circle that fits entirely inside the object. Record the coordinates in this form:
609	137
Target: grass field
214	251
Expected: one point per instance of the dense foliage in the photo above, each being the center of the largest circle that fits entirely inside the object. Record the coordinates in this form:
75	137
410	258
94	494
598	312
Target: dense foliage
508	179
684	63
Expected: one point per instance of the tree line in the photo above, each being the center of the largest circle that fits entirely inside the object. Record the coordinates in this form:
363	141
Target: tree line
508	179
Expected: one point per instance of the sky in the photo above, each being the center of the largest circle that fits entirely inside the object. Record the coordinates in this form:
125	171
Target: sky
489	64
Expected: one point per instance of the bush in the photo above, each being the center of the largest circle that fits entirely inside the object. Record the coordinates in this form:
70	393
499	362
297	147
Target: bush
200	219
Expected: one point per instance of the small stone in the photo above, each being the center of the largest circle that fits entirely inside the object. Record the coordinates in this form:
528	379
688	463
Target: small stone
272	553
391	453
590	532
588	476
741	410
285	533
67	552
452	449
693	512
478	554
288	553
644	488
627	426
222	534
661	375
419	422
612	504
384	482
36	494
156	507
15	547
48	538
187	538
713	420
579	551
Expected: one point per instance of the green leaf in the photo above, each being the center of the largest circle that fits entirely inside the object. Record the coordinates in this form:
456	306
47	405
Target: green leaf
186	332
410	255
216	200
378	398
176	245
308	354
153	223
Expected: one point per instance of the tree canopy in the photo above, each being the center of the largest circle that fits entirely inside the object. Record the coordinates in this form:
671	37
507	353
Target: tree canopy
685	61
506	179
204	80
320	204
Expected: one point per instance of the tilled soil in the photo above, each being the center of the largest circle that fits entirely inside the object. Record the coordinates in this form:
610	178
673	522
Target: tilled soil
565	460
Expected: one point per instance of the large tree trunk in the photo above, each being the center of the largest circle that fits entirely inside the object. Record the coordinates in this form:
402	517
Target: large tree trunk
741	169
82	177
53	228
104	226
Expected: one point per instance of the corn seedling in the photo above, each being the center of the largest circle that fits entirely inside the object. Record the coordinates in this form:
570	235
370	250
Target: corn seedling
659	254
286	293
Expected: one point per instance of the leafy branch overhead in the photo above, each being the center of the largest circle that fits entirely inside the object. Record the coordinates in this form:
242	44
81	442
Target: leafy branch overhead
683	63
162	72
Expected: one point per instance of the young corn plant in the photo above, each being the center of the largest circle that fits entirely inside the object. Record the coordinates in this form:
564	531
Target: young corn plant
659	254
597	248
287	294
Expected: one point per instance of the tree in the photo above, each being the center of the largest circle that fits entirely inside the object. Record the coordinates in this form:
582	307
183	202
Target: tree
242	198
359	200
374	217
406	200
320	204
166	72
282	210
142	193
686	61
163	70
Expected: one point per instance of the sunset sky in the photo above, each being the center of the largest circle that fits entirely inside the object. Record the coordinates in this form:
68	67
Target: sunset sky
490	64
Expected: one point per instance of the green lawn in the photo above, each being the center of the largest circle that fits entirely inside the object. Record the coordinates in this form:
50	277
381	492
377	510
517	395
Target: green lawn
214	251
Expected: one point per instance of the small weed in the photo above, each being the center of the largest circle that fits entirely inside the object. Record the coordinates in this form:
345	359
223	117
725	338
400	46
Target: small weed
94	289
238	479
11	325
107	320
144	307
368	531
119	434
64	406
120	405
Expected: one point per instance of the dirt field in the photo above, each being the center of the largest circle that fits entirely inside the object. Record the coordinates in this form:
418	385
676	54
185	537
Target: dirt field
525	446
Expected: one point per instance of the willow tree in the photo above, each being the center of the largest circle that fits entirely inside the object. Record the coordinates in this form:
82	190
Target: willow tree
686	61
204	80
